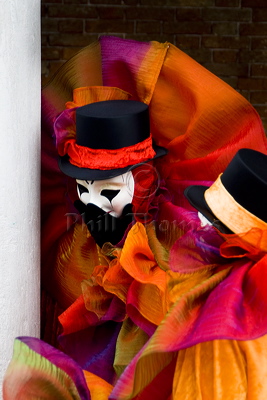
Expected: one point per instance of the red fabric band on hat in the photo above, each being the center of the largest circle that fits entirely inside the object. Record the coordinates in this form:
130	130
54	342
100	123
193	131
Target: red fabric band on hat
104	159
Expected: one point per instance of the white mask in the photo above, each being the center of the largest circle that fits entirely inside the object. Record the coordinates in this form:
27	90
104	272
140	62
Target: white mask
203	220
111	195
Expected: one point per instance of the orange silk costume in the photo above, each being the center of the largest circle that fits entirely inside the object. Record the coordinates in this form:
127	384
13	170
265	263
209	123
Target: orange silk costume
202	122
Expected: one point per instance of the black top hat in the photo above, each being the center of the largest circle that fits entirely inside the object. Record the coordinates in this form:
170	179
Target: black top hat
116	131
244	182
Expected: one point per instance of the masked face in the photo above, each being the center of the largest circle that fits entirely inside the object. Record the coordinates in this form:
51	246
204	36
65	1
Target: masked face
111	195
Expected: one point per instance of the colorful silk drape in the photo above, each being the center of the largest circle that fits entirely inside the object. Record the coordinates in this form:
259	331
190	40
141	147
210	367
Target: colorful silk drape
177	312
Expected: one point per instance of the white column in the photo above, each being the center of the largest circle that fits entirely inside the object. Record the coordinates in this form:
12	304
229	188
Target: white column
19	173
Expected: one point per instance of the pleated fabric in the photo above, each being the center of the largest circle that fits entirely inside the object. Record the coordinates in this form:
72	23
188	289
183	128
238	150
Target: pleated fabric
218	370
177	311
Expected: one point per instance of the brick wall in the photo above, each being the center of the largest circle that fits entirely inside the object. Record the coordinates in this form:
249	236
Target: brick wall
228	37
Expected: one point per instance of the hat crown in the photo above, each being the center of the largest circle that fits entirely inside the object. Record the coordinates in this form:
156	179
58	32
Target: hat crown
107	139
112	124
245	178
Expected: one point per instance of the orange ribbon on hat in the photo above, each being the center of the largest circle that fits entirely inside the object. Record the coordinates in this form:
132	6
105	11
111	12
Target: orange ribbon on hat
234	216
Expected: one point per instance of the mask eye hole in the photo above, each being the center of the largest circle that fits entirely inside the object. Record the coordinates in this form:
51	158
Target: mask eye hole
109	194
82	189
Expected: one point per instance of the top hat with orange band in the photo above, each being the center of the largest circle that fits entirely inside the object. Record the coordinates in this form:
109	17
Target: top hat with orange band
238	198
112	137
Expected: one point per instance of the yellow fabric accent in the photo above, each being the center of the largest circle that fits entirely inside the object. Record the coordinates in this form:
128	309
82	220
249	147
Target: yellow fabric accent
186	290
92	94
232	214
87	72
130	340
73	264
222	370
99	389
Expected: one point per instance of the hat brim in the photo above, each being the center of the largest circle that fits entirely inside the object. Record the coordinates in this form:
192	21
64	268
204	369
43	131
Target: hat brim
195	196
97	174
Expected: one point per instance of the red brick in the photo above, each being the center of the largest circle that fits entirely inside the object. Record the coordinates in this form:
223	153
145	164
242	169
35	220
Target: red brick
69	52
258	70
145	37
194	3
259	97
188	24
43	10
196	27
224	56
71	26
225	28
230	80
251	83
68	39
262	111
178	3
244	93
44	80
45	68
109	26
253	3
227	42
148	27
115	2
75	1
51	53
200	55
187	42
49	25
227	69
255	56
227	3
256	29
188	14
54	66
149	13
226	14
259	43
259	14
72	11
48	70
153	3
110	12
44	40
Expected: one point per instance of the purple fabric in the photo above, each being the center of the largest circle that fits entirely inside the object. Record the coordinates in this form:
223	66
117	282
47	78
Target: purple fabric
120	65
94	348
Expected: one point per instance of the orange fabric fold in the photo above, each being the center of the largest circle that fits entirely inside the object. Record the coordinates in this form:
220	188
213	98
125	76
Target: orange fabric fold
251	244
133	276
222	370
91	94
99	388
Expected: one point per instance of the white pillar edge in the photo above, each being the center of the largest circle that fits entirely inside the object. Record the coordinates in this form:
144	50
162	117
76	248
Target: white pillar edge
20	87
